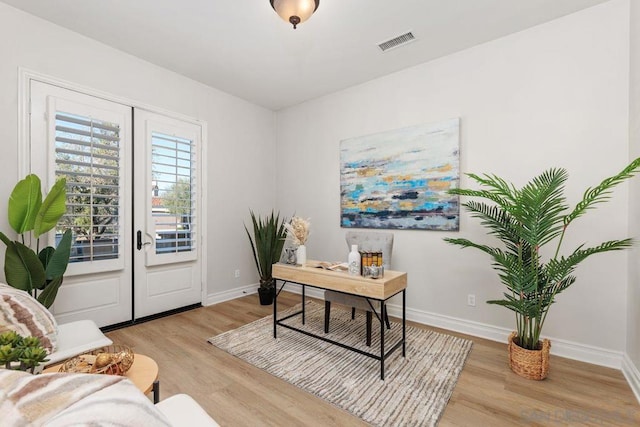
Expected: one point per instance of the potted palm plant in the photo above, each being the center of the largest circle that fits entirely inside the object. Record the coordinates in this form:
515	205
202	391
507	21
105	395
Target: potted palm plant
267	242
525	220
39	269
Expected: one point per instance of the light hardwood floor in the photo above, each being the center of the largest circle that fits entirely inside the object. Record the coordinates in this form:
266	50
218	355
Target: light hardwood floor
487	394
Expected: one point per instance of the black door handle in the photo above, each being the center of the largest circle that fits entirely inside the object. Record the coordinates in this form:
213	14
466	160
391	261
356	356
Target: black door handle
139	240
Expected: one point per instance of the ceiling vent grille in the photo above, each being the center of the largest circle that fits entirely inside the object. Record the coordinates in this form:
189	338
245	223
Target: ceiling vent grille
397	41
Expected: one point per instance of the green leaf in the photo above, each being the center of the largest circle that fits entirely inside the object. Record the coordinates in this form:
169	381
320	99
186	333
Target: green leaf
24	203
45	256
52	209
48	295
22	267
60	259
7	241
601	192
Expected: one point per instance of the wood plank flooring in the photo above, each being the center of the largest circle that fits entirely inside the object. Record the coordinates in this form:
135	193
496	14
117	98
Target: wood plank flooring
487	394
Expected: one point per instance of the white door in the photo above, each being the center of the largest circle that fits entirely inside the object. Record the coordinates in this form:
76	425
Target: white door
167	207
133	203
88	141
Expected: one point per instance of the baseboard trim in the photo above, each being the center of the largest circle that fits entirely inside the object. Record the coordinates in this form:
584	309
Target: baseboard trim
559	347
223	296
631	373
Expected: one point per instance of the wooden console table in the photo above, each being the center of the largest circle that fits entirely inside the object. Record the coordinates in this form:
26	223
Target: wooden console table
393	283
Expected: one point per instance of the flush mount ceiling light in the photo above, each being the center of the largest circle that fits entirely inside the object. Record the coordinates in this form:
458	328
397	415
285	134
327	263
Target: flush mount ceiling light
295	11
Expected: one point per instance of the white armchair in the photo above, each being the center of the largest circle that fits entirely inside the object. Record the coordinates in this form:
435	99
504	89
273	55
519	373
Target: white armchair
22	313
182	410
75	338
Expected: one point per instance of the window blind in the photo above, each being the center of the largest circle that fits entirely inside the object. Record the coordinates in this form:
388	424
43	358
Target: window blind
87	154
173	193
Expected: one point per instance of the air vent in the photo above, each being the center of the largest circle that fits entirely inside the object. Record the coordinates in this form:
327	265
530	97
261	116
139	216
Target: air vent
397	41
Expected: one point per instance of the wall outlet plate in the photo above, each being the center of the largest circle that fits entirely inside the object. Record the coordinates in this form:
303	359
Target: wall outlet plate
471	300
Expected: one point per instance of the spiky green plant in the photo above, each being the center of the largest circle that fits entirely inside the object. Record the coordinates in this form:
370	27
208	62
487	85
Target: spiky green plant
267	242
525	220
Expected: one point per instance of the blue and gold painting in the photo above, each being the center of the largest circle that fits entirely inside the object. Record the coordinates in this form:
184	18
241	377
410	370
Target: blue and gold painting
399	179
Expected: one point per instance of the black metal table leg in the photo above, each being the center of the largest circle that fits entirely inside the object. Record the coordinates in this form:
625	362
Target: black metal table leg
303	304
382	309
275	310
404	323
368	330
156	391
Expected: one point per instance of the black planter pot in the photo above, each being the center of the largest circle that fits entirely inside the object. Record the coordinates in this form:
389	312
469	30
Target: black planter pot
266	295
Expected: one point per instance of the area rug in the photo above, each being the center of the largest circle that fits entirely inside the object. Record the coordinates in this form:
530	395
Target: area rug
415	391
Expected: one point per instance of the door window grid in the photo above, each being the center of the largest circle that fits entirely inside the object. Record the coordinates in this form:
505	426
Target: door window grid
87	154
173	198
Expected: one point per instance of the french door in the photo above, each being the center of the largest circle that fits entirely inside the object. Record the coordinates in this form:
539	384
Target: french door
167	214
135	248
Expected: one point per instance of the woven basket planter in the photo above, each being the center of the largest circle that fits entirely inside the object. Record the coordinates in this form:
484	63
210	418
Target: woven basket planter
530	364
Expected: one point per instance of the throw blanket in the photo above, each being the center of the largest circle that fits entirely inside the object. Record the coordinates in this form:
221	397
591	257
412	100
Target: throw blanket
73	399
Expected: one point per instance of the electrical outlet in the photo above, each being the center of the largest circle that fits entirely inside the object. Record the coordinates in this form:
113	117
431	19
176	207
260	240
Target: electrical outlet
471	300
237	274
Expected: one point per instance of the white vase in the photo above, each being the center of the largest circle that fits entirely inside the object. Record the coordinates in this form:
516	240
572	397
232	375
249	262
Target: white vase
301	255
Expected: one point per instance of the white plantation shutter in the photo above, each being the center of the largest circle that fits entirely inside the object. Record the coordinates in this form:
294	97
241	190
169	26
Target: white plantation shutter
173	193
87	152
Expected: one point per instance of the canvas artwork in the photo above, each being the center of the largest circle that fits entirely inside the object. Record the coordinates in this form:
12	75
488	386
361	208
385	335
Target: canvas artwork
399	179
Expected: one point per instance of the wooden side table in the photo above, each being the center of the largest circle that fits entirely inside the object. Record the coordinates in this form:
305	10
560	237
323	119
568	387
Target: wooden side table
143	374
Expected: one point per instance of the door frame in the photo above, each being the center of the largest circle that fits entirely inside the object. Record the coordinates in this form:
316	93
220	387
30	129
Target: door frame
25	76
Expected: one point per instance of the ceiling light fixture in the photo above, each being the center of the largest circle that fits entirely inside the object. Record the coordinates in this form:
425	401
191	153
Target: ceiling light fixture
295	11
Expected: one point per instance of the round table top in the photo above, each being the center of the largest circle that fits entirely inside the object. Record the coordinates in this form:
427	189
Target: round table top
142	373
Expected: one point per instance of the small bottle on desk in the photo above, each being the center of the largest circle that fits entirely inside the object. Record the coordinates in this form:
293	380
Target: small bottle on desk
354	261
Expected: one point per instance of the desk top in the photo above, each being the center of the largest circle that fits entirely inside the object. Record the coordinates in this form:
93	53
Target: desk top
382	288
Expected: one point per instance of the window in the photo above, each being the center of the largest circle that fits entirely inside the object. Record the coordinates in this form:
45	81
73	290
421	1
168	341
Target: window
173	193
87	154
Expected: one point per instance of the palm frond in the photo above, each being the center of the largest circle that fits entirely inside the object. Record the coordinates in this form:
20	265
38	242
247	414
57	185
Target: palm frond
601	192
497	220
498	186
479	193
541	206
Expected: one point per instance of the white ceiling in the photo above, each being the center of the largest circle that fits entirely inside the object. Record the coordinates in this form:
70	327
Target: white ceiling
243	47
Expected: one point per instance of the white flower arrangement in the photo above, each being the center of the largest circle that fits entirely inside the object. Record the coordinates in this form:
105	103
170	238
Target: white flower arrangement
298	229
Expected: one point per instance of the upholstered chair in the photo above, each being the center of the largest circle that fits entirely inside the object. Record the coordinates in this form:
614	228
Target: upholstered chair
366	241
22	313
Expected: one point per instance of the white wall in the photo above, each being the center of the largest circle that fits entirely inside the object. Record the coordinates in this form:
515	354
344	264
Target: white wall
553	95
241	136
632	370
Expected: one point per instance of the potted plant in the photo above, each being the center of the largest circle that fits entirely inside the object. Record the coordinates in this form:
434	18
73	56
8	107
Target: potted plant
525	220
267	242
24	267
21	353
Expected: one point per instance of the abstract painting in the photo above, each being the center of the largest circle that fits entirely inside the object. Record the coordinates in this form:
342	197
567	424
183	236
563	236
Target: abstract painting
399	179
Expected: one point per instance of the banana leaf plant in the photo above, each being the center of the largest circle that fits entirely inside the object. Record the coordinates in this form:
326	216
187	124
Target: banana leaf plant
24	267
267	242
525	220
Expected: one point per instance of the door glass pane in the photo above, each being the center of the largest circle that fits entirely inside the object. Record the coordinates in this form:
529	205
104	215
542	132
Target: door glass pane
173	193
87	154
